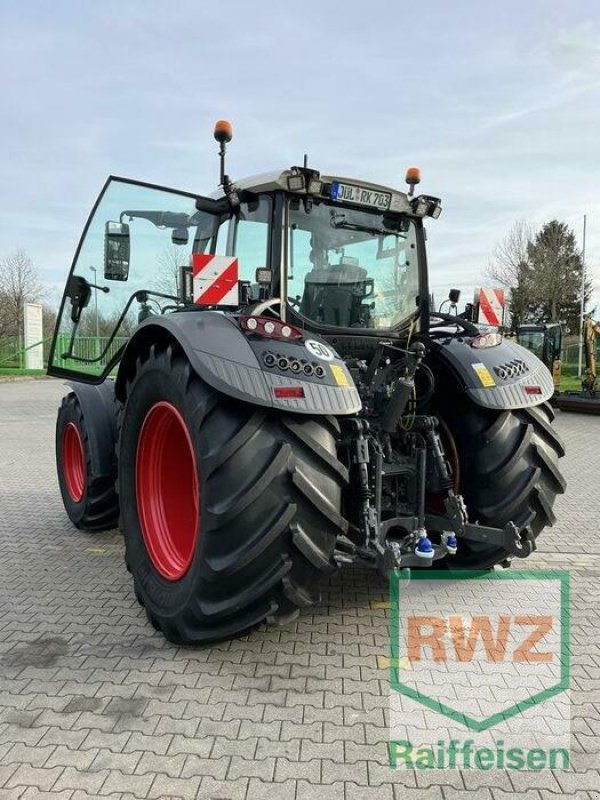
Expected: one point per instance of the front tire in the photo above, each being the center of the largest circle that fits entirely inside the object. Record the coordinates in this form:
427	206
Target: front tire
509	471
230	512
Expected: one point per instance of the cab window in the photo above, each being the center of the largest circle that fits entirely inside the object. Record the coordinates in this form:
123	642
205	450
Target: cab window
249	238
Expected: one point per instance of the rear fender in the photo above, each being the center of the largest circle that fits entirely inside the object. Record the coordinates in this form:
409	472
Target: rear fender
227	360
503	377
100	416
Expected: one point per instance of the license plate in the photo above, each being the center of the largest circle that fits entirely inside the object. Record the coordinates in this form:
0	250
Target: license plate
347	193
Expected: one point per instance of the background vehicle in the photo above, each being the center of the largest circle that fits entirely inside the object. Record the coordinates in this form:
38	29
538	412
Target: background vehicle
545	341
284	401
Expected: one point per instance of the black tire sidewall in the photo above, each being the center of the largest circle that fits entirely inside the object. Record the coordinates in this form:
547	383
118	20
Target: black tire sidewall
165	597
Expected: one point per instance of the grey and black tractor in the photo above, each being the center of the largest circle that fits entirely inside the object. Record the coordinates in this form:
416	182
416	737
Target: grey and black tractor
261	394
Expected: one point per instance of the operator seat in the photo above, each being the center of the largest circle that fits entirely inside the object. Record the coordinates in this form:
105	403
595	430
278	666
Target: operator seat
333	295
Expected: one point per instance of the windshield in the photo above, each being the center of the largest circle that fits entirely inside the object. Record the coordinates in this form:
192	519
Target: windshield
351	268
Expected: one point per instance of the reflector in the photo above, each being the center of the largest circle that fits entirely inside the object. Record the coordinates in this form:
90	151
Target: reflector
288	391
270	328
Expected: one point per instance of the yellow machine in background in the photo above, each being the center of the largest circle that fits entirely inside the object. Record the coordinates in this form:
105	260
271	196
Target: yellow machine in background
591	329
588	399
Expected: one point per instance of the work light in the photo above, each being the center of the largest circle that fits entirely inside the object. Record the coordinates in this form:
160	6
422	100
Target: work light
295	182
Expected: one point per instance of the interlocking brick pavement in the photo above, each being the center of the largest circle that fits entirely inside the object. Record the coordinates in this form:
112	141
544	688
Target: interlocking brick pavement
94	703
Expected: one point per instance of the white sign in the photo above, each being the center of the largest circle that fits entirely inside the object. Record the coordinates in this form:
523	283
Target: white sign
34	334
319	350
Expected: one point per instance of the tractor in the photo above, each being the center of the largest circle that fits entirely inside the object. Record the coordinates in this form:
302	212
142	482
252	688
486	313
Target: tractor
261	394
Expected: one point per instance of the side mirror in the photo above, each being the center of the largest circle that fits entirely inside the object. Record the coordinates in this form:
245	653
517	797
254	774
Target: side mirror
454	296
468	313
116	251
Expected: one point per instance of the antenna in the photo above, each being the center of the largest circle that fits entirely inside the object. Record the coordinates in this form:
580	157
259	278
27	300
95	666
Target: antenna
305	161
224	134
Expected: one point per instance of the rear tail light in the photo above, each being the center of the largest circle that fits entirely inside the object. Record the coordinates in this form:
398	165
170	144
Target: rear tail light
287	392
532	389
270	328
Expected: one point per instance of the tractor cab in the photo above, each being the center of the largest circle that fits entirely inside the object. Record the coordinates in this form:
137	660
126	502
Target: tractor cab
545	341
326	254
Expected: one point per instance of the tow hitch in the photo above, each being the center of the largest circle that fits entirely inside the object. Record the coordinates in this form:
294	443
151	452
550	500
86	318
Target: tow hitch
517	542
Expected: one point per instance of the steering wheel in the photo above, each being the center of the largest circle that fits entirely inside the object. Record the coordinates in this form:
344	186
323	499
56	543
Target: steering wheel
266	305
467	326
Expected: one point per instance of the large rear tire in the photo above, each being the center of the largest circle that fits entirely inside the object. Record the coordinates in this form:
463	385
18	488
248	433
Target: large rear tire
509	471
230	512
89	497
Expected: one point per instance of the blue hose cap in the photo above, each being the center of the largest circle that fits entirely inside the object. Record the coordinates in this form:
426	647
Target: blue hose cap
424	548
451	542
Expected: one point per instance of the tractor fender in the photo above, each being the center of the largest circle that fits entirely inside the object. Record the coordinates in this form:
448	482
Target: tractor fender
506	376
225	359
99	411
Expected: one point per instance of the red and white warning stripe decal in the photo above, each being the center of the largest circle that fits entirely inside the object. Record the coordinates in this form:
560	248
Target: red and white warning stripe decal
491	307
215	280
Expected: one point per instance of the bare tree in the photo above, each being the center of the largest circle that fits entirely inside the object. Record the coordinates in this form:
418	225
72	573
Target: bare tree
49	317
170	261
19	284
509	255
511	268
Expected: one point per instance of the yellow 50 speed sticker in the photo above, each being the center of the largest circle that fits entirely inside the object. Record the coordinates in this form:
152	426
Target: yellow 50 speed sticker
484	375
339	375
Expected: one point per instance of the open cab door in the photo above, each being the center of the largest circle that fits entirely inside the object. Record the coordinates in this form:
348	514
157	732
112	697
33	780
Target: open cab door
133	260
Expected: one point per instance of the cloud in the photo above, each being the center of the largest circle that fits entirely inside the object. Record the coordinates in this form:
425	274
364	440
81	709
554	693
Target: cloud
576	49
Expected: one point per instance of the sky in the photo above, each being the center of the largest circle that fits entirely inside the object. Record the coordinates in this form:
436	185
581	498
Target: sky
498	104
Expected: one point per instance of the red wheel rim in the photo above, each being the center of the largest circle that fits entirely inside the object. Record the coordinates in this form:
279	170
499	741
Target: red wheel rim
167	491
73	461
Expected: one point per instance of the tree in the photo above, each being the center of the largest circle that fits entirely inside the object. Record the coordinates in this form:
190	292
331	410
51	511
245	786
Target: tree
510	254
19	284
557	266
510	268
542	269
49	317
170	261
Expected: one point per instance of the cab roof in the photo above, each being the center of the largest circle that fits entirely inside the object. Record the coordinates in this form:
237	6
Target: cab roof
277	181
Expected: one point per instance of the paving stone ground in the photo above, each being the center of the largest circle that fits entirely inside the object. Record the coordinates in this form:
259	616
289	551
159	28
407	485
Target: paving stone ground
94	703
